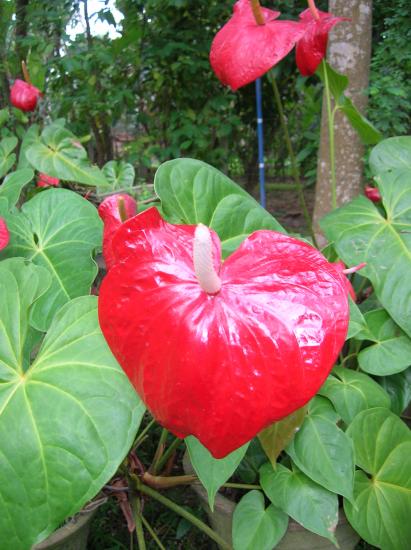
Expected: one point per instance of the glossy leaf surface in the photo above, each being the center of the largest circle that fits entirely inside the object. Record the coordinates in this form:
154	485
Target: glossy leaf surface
357	322
13	183
194	192
291	491
398	388
383	501
384	243
7	157
324	453
58	230
221	366
66	420
391	154
58	153
352	392
212	473
255	526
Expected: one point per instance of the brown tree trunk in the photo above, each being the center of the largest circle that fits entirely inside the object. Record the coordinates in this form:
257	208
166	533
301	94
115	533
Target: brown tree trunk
21	29
349	51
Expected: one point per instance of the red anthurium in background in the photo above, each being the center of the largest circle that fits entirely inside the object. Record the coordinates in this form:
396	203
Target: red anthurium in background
24	96
4	234
220	350
341	268
43	180
312	47
372	193
114	210
244	50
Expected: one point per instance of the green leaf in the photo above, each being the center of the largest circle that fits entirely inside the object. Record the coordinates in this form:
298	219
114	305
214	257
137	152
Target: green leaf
382	507
255	526
391	154
362	234
357	321
211	471
59	230
325	454
309	504
352	392
7	158
398	388
13	184
119	174
276	437
31	136
391	352
66	422
321	406
194	192
4	116
58	153
338	83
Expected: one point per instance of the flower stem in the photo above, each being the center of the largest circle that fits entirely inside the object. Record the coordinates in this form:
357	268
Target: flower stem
162	462
137	520
152	533
181	512
313	9
330	120
141	436
294	164
25	73
258	12
159	451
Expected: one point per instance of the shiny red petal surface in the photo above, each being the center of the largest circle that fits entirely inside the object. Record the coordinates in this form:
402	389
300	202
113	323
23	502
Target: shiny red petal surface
24	96
221	367
242	50
312	47
110	214
4	234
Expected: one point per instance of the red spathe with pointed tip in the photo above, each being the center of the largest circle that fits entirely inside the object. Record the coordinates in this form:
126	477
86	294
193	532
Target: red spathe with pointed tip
24	96
243	50
223	366
312	47
4	234
110	213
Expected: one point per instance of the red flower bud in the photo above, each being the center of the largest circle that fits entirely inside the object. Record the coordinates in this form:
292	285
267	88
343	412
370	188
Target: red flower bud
220	350
4	234
114	210
312	47
372	193
43	180
243	50
24	96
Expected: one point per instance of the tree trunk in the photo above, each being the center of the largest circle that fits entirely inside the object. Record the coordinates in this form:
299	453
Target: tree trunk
21	29
349	51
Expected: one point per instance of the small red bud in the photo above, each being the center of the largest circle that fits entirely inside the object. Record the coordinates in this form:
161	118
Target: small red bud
24	96
4	234
44	180
372	193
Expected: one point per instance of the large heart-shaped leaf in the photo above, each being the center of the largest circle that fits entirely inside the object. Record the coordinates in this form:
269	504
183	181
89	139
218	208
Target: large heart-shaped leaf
119	174
309	504
257	527
13	183
212	472
59	230
352	392
194	192
382	508
391	154
362	234
66	421
7	157
58	153
391	351
324	453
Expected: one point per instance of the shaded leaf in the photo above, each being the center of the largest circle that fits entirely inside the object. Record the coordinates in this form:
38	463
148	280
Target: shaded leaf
30	137
357	322
7	157
119	174
391	154
13	183
398	387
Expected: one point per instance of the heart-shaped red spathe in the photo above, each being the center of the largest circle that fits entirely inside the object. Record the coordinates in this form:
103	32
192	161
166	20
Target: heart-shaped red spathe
312	47
4	234
243	50
109	211
24	96
221	367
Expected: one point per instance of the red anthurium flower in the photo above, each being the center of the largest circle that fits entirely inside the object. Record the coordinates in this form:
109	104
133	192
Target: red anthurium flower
220	350
24	96
43	180
4	234
243	50
372	193
312	47
114	210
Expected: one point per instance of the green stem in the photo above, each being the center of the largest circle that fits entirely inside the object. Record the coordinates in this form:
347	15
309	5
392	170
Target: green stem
182	512
159	451
152	533
163	460
294	164
330	120
137	520
141	435
245	486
